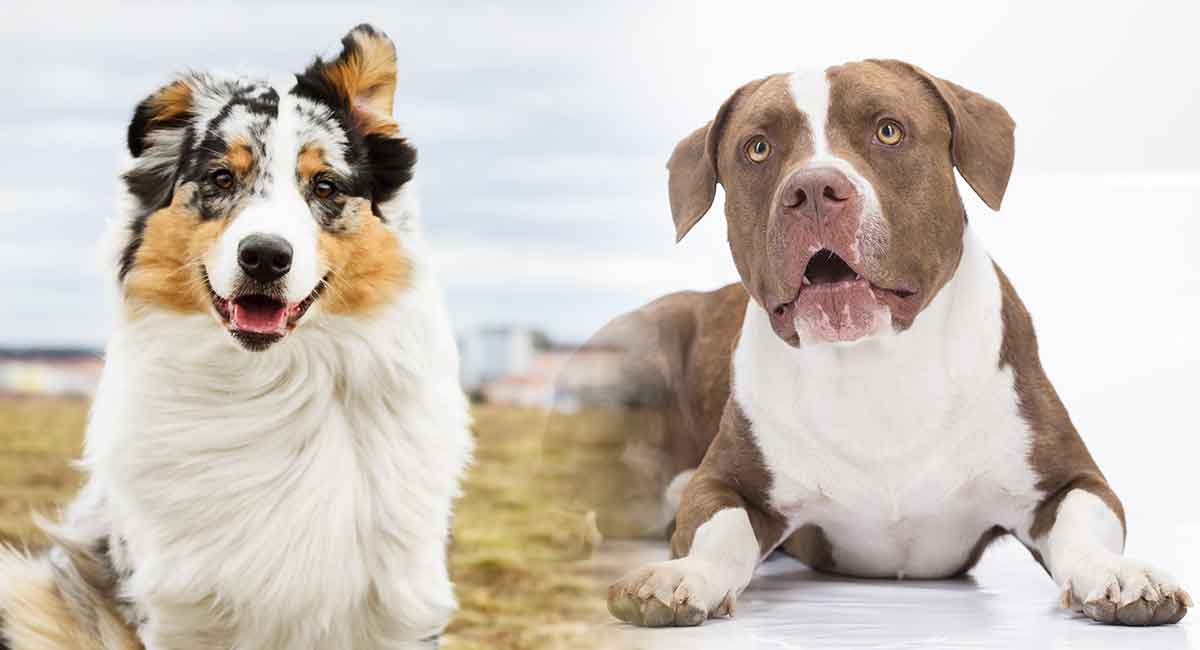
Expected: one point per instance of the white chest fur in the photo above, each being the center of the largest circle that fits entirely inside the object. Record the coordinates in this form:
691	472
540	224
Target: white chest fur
295	498
904	449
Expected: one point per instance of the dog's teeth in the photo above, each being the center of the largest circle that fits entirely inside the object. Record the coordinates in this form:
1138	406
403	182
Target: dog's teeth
805	281
857	276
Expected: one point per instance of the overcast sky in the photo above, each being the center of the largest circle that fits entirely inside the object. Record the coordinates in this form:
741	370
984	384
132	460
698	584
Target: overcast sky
543	132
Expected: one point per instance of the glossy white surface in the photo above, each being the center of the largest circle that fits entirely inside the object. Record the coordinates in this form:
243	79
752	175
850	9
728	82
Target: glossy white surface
1007	602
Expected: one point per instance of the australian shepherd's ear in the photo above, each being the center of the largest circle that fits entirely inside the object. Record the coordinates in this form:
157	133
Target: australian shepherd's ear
359	86
170	107
157	138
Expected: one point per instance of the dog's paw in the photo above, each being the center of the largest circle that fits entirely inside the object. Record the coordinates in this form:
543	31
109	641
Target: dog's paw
1122	591
679	592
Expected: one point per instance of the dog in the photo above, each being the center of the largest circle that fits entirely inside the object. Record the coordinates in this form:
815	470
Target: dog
279	431
869	398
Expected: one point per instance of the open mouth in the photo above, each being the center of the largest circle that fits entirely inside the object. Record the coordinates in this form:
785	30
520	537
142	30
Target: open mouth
826	267
257	320
835	302
827	270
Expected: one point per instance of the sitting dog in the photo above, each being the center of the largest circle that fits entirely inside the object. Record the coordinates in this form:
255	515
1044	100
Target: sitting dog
279	431
869	398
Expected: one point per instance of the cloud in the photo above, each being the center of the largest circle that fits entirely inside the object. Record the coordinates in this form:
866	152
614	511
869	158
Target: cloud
543	132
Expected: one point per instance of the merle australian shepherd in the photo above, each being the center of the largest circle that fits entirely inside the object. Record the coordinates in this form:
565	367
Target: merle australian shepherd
279	431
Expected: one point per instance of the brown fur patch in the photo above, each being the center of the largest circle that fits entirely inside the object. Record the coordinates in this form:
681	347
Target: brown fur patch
37	616
810	545
985	540
171	102
367	266
365	75
667	394
1058	456
240	158
310	162
166	272
732	475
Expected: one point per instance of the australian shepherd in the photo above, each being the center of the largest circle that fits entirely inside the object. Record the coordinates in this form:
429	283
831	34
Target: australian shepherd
279	431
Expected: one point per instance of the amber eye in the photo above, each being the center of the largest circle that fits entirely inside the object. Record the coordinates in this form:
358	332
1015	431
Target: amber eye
324	188
222	178
889	132
758	149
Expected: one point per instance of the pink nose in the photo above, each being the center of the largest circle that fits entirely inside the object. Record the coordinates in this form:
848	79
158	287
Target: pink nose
820	193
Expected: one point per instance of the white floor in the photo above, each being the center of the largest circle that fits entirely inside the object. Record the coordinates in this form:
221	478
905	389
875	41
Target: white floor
1008	602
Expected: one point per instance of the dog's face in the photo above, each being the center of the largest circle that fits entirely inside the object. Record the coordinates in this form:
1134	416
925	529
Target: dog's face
262	206
843	215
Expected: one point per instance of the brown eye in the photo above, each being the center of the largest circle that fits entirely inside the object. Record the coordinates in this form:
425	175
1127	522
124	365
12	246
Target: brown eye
222	178
324	188
758	149
889	132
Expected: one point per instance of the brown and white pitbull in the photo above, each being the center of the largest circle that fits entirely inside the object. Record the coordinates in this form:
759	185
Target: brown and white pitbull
870	396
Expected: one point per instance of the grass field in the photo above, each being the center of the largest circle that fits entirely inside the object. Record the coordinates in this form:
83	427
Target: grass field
515	555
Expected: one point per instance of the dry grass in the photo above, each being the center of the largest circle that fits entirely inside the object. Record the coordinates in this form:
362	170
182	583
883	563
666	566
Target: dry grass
515	554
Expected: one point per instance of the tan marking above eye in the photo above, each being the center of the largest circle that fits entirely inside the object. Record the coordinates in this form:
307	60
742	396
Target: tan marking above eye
239	157
758	149
310	162
889	132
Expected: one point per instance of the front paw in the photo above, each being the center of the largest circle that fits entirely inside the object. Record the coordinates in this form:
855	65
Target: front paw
679	592
1122	591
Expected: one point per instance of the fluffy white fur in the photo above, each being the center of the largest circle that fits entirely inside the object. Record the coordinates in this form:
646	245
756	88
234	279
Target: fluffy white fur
298	497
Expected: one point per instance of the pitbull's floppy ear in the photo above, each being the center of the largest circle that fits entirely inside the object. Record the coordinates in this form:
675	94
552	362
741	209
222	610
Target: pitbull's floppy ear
982	133
692	169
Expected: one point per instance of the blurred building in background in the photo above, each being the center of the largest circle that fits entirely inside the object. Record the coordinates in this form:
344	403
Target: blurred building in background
513	365
49	371
521	366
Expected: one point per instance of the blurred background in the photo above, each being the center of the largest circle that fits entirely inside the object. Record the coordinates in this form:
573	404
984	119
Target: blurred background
543	130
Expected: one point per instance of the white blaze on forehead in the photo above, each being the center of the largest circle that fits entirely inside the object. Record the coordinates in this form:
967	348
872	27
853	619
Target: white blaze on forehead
281	210
316	126
810	91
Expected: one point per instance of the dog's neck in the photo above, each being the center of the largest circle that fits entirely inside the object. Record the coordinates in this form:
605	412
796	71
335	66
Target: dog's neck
899	383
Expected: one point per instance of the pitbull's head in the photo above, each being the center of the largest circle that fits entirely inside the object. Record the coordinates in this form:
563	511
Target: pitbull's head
844	218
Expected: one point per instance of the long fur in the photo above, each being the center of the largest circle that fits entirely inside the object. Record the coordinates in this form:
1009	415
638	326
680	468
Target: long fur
296	497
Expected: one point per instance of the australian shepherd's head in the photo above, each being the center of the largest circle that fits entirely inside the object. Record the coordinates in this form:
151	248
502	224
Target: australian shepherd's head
263	206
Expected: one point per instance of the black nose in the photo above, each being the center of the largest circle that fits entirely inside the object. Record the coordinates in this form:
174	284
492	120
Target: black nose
265	258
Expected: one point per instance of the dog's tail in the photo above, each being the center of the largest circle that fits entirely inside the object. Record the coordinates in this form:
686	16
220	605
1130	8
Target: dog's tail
59	601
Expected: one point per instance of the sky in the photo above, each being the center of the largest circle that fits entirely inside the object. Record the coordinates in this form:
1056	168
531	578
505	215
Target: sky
543	131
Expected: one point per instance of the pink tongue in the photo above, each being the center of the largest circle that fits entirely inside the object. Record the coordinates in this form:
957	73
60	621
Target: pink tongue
260	316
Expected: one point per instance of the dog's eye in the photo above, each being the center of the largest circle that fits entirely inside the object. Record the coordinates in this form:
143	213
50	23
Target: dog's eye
889	132
222	178
758	149
324	189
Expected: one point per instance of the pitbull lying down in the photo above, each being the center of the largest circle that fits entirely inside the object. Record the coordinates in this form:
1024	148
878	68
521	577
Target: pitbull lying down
870	395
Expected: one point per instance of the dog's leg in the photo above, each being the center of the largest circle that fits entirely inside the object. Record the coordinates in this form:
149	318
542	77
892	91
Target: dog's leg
721	534
690	589
1082	551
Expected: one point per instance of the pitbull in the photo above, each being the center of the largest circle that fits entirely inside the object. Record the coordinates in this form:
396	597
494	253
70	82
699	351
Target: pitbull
869	398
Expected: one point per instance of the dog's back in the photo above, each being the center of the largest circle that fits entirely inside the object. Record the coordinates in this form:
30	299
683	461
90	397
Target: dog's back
661	407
